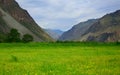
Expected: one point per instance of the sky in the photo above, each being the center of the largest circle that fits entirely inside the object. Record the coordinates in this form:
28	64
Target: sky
63	14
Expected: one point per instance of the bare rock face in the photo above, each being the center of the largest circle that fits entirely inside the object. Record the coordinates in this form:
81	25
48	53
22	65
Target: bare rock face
17	12
6	1
107	29
105	37
22	16
114	37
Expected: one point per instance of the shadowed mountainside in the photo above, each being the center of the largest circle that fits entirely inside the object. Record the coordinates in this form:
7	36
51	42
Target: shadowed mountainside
13	16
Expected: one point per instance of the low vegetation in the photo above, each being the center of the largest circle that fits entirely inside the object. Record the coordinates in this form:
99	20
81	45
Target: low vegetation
27	38
14	37
60	58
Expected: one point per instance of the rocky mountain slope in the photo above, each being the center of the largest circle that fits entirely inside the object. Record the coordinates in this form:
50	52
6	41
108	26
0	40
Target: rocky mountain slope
76	31
13	16
107	29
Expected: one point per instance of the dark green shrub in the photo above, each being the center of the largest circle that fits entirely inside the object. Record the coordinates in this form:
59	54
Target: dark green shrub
118	43
27	38
13	36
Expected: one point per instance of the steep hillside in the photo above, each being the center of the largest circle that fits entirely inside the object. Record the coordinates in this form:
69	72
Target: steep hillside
75	33
55	34
13	16
3	26
107	29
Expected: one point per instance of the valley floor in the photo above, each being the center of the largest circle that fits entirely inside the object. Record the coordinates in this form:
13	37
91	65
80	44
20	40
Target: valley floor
59	59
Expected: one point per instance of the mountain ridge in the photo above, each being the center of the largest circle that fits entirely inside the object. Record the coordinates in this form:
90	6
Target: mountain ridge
78	29
105	29
21	17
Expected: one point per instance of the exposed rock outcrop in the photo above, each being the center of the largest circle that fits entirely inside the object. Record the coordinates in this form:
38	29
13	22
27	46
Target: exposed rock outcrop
107	29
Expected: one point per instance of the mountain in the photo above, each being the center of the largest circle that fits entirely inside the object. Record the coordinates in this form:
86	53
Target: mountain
75	33
55	34
107	29
13	16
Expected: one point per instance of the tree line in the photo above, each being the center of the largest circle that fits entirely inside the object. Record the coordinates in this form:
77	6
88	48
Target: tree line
14	36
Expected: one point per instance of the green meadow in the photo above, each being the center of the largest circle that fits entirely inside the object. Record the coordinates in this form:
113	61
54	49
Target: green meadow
60	59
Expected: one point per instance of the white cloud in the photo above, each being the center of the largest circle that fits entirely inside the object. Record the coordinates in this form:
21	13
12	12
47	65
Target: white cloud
51	13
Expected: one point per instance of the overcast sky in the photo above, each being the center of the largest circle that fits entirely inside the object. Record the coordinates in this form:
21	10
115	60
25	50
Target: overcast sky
63	14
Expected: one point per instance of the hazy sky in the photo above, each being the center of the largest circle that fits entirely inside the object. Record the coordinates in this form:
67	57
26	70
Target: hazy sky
63	14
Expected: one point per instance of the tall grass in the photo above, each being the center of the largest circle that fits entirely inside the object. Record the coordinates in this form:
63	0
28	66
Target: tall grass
60	58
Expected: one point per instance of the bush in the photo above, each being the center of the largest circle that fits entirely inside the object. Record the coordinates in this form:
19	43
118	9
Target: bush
13	36
118	43
27	38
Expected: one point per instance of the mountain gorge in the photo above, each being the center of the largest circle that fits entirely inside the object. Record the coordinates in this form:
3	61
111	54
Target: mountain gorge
55	34
76	31
105	29
13	16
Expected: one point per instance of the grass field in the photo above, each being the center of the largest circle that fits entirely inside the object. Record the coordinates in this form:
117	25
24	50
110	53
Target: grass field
59	59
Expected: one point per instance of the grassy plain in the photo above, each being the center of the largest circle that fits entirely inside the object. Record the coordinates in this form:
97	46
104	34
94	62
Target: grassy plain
59	59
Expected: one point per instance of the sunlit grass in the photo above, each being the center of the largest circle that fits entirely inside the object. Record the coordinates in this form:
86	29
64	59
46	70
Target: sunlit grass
59	59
